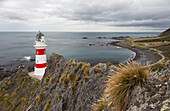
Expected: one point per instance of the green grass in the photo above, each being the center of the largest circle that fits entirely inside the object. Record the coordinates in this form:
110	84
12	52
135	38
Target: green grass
129	43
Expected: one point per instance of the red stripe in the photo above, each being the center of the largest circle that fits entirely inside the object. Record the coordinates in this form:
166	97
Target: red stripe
40	51
43	65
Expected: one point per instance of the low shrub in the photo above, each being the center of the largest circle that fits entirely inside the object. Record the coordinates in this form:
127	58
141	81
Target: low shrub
47	79
7	100
32	93
77	78
51	80
86	70
23	84
71	76
80	64
58	64
86	78
9	83
57	69
97	70
74	86
63	79
74	64
60	97
47	106
39	98
109	63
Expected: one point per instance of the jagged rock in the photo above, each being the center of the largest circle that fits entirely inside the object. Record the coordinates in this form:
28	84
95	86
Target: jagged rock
75	86
84	37
71	95
153	97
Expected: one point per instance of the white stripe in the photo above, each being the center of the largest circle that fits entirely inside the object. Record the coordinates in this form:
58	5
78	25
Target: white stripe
39	71
40	59
41	48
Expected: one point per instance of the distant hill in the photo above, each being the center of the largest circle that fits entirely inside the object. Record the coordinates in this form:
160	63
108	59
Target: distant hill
165	33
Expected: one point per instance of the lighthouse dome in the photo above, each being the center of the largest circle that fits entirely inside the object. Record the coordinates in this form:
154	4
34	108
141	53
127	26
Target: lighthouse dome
40	37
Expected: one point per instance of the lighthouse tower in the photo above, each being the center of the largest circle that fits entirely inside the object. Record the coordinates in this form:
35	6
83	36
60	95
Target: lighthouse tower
40	58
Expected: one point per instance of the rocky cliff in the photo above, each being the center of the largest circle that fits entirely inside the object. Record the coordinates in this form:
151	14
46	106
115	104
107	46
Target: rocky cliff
69	85
76	86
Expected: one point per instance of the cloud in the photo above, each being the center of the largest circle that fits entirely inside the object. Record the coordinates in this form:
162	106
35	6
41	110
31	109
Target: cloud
79	14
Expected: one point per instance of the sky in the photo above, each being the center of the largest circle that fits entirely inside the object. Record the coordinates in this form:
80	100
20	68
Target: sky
85	15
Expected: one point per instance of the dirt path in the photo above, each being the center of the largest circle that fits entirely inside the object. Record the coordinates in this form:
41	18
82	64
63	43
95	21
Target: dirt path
158	52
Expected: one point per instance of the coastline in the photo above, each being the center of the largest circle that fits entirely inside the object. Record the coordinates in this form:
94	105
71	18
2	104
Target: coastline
142	55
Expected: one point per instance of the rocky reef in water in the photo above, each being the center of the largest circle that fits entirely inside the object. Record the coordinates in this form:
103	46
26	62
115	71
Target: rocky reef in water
76	86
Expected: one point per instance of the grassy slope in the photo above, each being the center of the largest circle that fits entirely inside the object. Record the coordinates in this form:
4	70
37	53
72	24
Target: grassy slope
16	90
161	42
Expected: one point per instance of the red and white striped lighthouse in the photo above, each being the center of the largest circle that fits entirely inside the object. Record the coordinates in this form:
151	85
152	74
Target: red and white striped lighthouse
40	58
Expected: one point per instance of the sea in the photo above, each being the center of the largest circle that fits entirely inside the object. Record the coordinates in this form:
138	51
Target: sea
16	48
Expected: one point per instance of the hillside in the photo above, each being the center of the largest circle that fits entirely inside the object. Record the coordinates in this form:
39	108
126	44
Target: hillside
16	90
165	33
76	86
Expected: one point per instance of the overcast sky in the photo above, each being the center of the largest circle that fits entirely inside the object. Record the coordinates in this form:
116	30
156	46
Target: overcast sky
84	15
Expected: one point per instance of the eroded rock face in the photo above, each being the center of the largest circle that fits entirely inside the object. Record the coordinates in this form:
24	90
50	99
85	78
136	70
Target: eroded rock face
75	86
155	96
70	93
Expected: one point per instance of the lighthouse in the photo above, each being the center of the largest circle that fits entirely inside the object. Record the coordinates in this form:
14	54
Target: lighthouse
40	58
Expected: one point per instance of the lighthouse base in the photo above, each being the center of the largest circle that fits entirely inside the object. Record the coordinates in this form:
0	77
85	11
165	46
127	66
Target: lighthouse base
31	74
39	71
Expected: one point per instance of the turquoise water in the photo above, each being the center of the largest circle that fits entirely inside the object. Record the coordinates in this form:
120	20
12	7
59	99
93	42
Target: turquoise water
14	46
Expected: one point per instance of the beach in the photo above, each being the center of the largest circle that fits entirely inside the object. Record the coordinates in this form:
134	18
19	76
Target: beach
143	56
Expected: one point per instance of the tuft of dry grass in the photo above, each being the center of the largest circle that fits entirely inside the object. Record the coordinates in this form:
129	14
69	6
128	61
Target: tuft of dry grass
97	70
109	63
47	106
39	98
86	78
71	75
63	79
120	85
86	70
80	64
100	105
51	80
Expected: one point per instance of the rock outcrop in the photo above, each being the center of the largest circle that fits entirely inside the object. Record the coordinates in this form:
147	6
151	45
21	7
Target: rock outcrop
76	86
155	96
69	85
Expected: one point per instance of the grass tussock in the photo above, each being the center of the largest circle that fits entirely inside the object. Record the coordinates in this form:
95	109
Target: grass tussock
100	105
86	78
109	63
120	85
51	80
63	79
47	106
71	76
39	98
80	64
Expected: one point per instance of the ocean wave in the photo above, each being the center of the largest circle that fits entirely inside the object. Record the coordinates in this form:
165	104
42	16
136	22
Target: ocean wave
133	55
26	58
